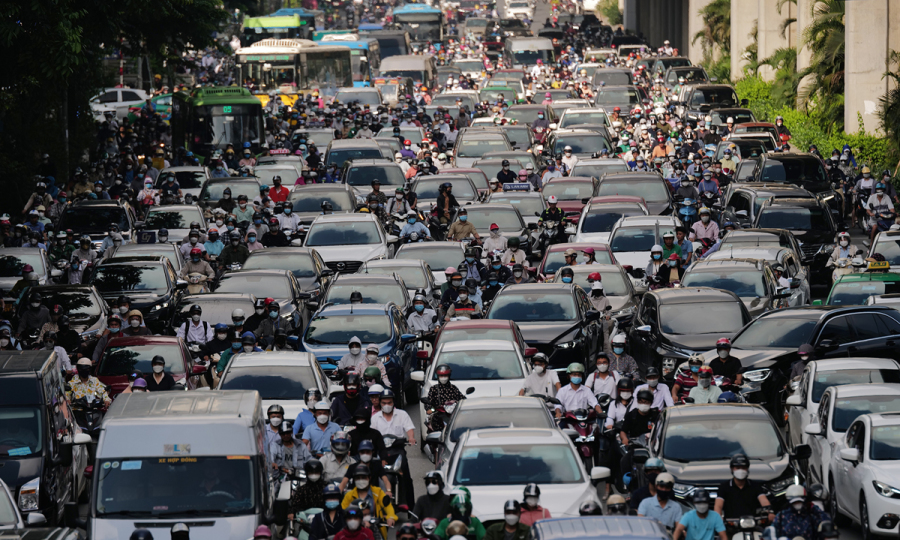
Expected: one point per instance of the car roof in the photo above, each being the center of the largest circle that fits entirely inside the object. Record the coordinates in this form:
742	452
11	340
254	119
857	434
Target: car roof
354	309
497	206
375	279
381	263
135	259
353	143
431	245
710	410
128	341
631	176
792	202
259	359
23	361
842	364
618	199
867	389
764	253
576	131
883	419
170	207
466	324
539	287
638	221
258	272
515	436
570	179
818	312
478	345
345	218
593	527
579	246
689	295
727	263
214	297
506	402
869	276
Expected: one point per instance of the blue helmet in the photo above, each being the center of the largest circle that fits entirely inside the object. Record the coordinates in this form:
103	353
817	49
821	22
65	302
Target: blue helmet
331	489
879	185
725	397
163	232
655	463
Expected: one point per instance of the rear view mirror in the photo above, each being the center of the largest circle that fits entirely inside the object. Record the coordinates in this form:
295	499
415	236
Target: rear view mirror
802	451
418	376
793	401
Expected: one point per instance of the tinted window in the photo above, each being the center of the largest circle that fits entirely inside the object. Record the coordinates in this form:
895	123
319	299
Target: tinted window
507	219
339	157
534	307
162	218
719	97
300	265
847	293
568	191
602	218
778	332
382	294
462	189
471	419
885	443
516	465
449	336
213	191
185	179
126	277
889	246
611	78
364	176
481	365
338	329
846	410
718	440
94	219
259	286
586	169
479	147
525	116
526	206
278	382
697	318
794	219
556	260
413	276
744	283
575	117
581	144
633	239
652	192
613	282
125	360
21	433
437	258
312	201
343	234
11	265
826	379
617	96
807	173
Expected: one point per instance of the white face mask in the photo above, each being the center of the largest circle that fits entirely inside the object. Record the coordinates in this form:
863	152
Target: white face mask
432	489
4	342
313	477
134	323
361	484
365	458
275	421
511	519
740	474
701	508
845	243
195	318
322	418
532	501
539	370
355	350
602	368
653	383
704	219
248	348
123	310
387	409
158	369
221	337
797	506
371	358
443	380
625	395
643	407
723	353
352	524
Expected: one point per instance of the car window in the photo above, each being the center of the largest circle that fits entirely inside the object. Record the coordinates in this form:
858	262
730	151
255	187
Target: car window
826	379
846	410
481	365
823	412
127	95
865	326
272	382
887	325
109	97
838	331
471	419
125	360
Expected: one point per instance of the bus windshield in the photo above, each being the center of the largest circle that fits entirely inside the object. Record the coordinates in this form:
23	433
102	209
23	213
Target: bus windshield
421	26
220	125
530	58
359	63
328	70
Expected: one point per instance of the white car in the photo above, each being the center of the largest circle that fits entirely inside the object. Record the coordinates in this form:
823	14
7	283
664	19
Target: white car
584	115
177	218
117	101
346	241
821	374
496	465
601	214
866	475
886	244
519	9
839	407
190	178
481	368
632	239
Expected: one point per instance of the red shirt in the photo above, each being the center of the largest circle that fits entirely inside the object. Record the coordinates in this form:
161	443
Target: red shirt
362	533
528	517
279	194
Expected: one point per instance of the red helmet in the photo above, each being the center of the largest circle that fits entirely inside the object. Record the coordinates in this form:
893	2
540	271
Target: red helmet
674	257
269	301
407	142
444	370
723	343
196	251
262	532
594	276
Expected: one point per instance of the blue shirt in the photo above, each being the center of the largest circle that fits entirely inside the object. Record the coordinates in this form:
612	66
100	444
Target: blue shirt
304	419
687	248
668	516
702	529
214	248
417	227
320	441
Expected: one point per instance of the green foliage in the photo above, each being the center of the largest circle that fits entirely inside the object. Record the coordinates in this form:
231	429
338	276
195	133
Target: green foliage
716	31
608	11
889	108
720	69
784	87
825	37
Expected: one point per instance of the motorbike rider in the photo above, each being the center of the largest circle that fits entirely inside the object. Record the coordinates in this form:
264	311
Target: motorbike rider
364	489
353	527
512	527
463	306
506	176
446	202
662	395
669	246
195	329
461	228
372	360
352	358
392	421
435	503
741	496
274	419
337	462
413	225
705	228
726	365
442	393
497	267
461	510
513	255
639	420
288	453
135	324
656	261
251	323
33	318
196	264
475	269
652	468
843	250
345	404
879	203
700	523
423	318
490	288
802	518
553	213
598	299
540	381
363	430
672	272
318	436
705	391
662	508
234	251
84	384
575	395
620	361
496	241
274	237
532	510
316	493
399	205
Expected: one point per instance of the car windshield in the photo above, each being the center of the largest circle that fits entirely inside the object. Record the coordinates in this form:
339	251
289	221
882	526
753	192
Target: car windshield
534	307
312	201
21	433
272	382
745	284
468	65
794	219
617	96
479	147
214	311
626	239
469	334
413	276
163	218
889	247
613	282
338	329
381	294
775	332
189	486
525	116
350	233
129	277
125	360
568	191
438	258
840	377
885	443
611	78
601	218
588	169
517	135
11	265
506	218
806	173
573	118
481	365
751	242
557	259
720	97
462	188
301	265
719	439
213	191
80	304
846	410
581	144
493	94
261	286
852	293
185	179
340	156
492	168
471	419
526	206
93	219
266	175
507	465
362	97
652	192
701	318
387	175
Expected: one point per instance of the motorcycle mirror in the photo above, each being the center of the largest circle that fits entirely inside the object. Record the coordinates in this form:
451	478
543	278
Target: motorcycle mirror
470	390
387	500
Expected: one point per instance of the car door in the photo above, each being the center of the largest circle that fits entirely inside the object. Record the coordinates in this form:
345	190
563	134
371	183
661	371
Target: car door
640	342
869	340
593	334
855	472
796	414
793	269
841	472
835	338
819	443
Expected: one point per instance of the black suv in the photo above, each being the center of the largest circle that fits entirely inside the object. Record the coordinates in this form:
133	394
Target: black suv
743	200
703	98
150	282
93	218
803	170
767	347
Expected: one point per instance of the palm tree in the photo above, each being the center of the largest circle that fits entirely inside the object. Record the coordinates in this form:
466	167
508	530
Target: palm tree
716	32
784	87
825	38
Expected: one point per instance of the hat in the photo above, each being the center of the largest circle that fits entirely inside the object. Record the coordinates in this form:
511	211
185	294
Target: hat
372	348
597	286
83	362
494	227
570	252
375	390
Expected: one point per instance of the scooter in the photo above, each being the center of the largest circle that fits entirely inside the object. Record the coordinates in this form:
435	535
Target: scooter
584	423
688	212
197	283
845	266
747	527
395	453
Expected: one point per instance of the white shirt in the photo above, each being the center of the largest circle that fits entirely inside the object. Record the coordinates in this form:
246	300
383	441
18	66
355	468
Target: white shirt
195	331
662	396
397	426
570	399
617	411
62	358
599	385
544	384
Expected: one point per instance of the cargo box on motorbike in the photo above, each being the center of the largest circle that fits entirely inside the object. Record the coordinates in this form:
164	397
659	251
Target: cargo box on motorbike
590	527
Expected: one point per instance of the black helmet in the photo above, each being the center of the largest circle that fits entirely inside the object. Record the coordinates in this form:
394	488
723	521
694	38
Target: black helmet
532	490
625	383
513	242
35	297
827	530
511	505
195	309
471	252
700	496
141	534
645	395
249	339
817	491
408	529
275	409
356	296
590	508
567	271
652	371
505	163
313	466
739	460
360	469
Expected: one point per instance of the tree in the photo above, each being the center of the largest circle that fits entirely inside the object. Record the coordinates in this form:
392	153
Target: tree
716	31
784	87
825	37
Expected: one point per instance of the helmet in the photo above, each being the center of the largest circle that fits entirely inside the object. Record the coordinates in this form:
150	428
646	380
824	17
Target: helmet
340	443
312	393
575	367
818	491
407	529
827	530
443	369
372	372
794	492
701	496
590	508
313	466
141	534
727	397
262	531
275	409
739	460
552	199
511	505
723	343
645	395
655	463
513	242
616	505
532	490
665	479
248	339
360	469
435	475
625	383
619	339
695	360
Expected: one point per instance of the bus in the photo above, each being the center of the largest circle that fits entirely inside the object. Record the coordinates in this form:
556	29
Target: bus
210	118
365	56
424	23
314	18
292	67
272	27
392	42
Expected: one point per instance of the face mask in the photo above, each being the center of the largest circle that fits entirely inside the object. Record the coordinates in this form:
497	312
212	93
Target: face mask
464	218
35	305
98	189
845	243
740	474
456	282
330	504
643	407
653	382
221	337
158	368
273	314
195	318
361	484
63	199
248	348
114	329
879	191
702	508
657	256
432	489
798	506
371	358
163	238
387	409
517	273
231	228
322	419
704	382
352	524
493	283
195	259
470	260
226	196
663	495
567	279
134	323
673	264
618	350
419	308
194	240
411	221
625	395
463	297
33	241
511	519
575	380
443	380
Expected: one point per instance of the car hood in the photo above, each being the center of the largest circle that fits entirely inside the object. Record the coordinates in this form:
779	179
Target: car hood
635	259
292	407
814	237
202	528
715	472
365	252
695	342
331	354
307	284
543	332
138	300
601	237
562	500
16	472
571	206
657	208
492	388
465	162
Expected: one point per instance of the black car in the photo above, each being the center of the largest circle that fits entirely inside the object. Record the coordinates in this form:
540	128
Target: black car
762	238
743	200
306	264
150	282
703	98
696	443
810	220
217	307
672	324
93	218
653	188
84	306
767	347
556	318
585	143
691	75
804	170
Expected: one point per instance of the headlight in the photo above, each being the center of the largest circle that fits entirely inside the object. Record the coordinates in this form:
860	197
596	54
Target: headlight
682	490
880	487
826	248
569	344
90	334
29	495
780	485
158	307
747	523
757	375
625	312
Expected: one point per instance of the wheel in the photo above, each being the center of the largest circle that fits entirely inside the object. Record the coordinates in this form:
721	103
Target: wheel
839	519
867	534
588	463
412	394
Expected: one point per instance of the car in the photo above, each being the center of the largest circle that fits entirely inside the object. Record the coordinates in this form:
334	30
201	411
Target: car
585	143
217	307
359	237
804	170
766	140
520	9
719	117
150	282
820	375
838	408
360	173
624	96
633	237
176	218
375	289
437	255
427	189
411	133
572	193
472	144
884	300
652	187
191	178
745	170
762	238
855	289
319	136
700	99
496	464
416	274
696	443
281	378
212	190
602	213
520	156
286	171
887	243
488	413
801	291
10	518
555	318
492	94
480	329
477	176
526	114
865	475
757	127
86	309
528	203
123	355
617	288
560	106
307	201
672	324
744	200
690	74
612	77
585	115
117	101
554	257
93	218
12	260
752	280
361	96
160	249
589	527
597	167
160	104
767	347
520	137
340	151
328	336
280	285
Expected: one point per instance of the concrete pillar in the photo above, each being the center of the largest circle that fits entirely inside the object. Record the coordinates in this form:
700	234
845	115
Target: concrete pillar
872	31
804	54
695	24
769	38
629	14
743	17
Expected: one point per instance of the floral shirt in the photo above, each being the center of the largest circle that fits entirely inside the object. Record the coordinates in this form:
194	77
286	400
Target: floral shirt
79	388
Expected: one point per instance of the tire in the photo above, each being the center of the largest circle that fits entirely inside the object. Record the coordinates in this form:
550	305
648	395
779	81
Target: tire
864	524
411	394
588	463
837	517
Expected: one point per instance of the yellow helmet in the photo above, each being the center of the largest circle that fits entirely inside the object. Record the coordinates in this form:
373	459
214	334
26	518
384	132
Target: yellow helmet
866	170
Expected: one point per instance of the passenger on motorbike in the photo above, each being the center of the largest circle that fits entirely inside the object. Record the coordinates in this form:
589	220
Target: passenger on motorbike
622	362
652	468
196	264
413	225
423	318
656	261
708	185
136	327
802	518
441	393
699	523
287	453
463	306
512	527
540	381
553	213
669	246
672	273
316	493
741	496
435	503
662	395
662	508
726	365
350	400
686	380
705	391
84	384
372	360
575	395
234	251
496	241
705	228
461	510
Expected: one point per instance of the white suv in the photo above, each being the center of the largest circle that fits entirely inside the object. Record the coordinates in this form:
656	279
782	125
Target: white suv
346	241
118	101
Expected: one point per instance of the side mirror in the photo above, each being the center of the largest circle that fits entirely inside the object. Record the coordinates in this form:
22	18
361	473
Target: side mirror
688	399
65	455
644	331
422	354
407	338
592	315
436	294
36	518
181	284
56	272
742	214
554	126
199	369
391	239
418	376
795	283
82	438
140	225
850	454
745	102
529	352
600	473
813	429
826	345
793	401
585	200
433	438
312	305
802	451
531	226
328	272
304	296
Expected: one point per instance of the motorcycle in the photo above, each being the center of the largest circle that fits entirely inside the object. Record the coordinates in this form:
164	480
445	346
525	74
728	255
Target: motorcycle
89	411
846	265
425	347
584	422
413	238
688	212
197	283
201	366
58	275
747	527
395	453
862	196
708	199
548	232
883	220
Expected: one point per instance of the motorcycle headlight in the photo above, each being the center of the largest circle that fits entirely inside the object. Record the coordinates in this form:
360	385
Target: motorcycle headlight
747	523
158	307
885	490
758	375
625	312
682	490
29	495
90	334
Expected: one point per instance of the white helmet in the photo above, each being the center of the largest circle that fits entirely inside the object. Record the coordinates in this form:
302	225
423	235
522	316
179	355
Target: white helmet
237	314
656	247
552	199
619	339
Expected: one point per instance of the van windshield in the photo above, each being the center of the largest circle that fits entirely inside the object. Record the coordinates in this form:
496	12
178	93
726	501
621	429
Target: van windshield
20	431
176	485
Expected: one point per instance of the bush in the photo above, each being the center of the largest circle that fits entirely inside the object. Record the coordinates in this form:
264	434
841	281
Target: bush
609	10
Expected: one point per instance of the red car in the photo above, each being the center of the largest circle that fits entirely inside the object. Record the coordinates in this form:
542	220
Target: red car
572	193
123	355
553	259
477	177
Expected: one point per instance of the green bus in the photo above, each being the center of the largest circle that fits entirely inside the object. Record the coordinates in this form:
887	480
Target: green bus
210	118
275	27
